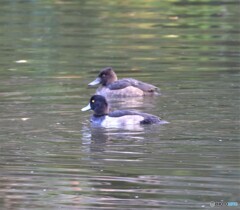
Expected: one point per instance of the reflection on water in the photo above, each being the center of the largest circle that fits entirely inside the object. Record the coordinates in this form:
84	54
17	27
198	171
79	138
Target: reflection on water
98	138
137	103
52	158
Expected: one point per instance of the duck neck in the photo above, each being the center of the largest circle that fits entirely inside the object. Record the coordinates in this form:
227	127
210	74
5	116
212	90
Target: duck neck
99	115
112	79
101	112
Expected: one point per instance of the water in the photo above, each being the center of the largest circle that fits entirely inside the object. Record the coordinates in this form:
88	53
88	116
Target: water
51	157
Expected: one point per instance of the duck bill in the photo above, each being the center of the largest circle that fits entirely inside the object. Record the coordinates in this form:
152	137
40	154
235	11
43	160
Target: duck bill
164	122
86	108
97	81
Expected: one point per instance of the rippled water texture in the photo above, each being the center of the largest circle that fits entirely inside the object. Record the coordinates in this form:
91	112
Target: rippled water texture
50	155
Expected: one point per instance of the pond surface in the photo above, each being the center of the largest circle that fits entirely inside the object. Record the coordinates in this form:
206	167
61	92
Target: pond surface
50	155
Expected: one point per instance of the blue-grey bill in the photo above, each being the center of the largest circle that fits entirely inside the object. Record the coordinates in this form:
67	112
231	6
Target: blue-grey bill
164	122
88	107
97	81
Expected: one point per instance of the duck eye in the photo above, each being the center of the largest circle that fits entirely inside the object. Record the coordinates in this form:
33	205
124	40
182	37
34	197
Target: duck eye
93	101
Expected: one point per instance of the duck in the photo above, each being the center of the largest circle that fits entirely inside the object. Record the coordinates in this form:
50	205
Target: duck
111	86
102	116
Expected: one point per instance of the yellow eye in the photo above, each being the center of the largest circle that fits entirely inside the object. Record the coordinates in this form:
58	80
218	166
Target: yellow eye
93	101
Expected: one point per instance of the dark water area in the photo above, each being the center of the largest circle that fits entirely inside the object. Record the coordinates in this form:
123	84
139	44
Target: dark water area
50	155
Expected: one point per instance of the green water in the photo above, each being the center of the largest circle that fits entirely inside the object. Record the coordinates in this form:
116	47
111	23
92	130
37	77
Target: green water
50	155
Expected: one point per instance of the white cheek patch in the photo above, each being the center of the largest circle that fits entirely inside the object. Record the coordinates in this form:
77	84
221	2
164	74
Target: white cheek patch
122	121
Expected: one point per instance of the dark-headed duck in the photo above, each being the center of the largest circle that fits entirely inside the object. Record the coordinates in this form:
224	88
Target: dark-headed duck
127	87
119	118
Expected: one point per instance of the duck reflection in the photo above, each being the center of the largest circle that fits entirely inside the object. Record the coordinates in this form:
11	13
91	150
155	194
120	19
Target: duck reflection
96	138
133	103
